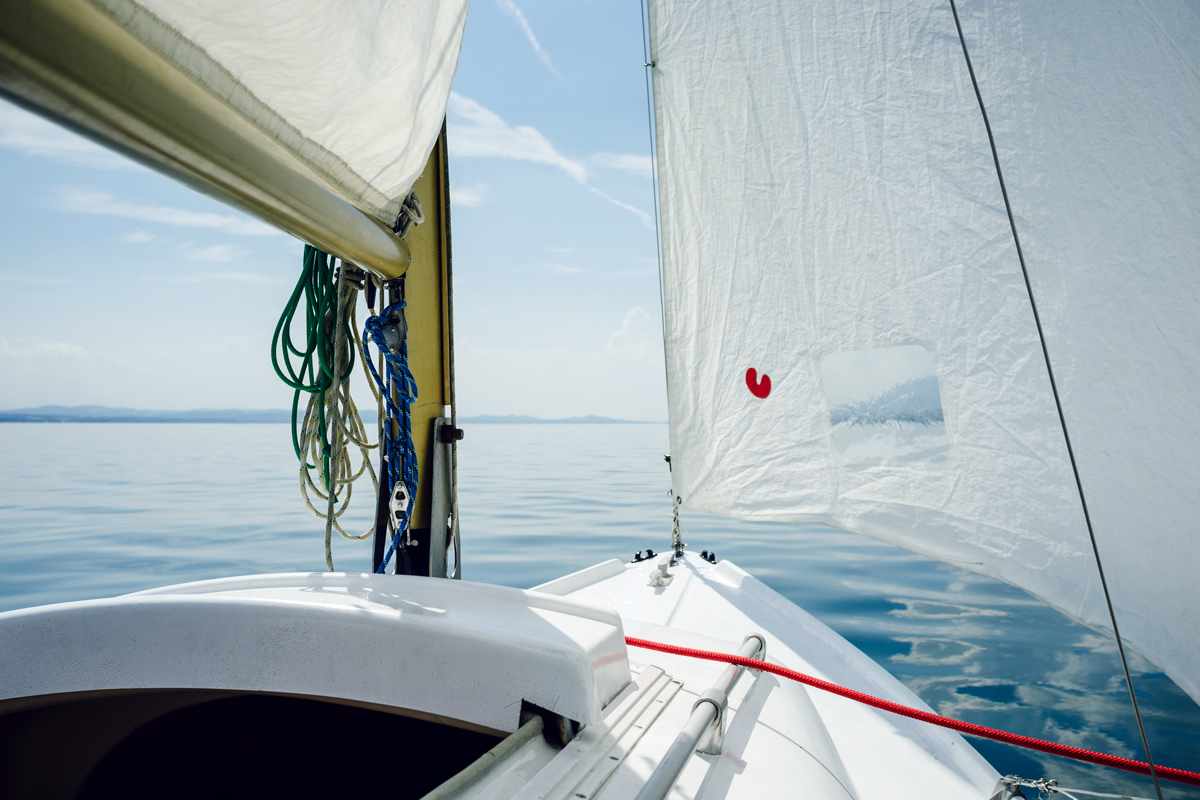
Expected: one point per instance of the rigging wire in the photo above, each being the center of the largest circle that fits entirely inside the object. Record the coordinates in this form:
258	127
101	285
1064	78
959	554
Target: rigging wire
651	129
1057	400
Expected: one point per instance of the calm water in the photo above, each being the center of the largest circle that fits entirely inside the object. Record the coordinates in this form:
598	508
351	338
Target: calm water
88	510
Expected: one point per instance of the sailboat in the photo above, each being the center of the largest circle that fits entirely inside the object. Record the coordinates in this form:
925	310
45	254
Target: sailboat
925	279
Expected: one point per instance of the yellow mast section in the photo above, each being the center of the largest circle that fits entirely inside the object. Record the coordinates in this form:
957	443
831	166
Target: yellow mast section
427	290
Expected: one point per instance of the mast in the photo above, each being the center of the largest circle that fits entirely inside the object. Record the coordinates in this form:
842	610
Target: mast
427	289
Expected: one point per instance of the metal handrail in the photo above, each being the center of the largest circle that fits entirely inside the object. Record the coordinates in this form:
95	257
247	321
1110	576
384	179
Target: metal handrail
706	721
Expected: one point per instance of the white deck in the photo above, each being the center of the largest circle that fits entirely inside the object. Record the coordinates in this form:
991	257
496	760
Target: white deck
472	653
712	607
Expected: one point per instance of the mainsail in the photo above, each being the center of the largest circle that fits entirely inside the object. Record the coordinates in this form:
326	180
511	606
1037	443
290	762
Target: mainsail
850	338
315	116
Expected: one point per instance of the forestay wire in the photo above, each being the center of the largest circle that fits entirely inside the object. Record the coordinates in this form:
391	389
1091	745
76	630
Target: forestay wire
1057	401
649	65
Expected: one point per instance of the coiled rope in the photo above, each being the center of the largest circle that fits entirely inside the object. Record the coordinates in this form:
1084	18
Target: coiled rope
1028	742
331	423
398	390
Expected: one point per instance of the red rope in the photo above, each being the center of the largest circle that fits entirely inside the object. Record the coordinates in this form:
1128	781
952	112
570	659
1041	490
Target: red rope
1077	753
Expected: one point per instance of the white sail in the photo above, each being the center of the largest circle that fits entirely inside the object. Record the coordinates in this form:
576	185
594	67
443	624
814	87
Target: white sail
833	220
356	90
314	115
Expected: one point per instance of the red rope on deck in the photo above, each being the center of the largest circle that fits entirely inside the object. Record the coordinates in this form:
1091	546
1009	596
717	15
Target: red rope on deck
1077	753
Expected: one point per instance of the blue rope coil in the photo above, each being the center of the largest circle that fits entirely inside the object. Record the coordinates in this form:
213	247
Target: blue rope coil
399	389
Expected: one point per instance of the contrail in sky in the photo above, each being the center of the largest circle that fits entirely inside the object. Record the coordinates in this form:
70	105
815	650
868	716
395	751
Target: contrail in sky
510	8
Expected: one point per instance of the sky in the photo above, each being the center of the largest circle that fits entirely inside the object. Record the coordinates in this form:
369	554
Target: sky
120	287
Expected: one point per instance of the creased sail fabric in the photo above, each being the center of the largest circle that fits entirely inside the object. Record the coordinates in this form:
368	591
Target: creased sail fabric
849	335
356	90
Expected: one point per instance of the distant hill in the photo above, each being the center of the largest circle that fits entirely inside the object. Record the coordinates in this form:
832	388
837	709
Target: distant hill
519	419
106	414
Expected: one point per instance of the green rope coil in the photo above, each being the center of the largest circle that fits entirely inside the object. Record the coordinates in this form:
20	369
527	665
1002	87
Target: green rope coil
310	369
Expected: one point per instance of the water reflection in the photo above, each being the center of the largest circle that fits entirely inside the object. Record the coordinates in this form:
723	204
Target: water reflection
927	609
939	652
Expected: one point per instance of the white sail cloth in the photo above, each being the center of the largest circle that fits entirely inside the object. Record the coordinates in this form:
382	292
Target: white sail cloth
356	90
832	219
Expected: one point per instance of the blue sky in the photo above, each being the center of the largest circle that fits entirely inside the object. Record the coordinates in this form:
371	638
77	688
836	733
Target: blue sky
122	288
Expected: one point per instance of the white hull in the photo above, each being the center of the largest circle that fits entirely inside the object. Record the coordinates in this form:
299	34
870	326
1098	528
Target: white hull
458	655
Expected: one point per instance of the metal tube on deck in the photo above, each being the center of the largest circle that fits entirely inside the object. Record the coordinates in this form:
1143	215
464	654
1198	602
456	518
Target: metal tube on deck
705	713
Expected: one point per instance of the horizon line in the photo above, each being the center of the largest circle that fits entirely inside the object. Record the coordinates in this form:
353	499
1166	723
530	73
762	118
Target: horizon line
92	412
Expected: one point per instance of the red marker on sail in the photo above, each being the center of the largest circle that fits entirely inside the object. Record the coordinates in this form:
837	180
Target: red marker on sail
760	388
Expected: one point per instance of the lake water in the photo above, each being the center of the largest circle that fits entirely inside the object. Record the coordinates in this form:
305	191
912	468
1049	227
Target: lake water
89	510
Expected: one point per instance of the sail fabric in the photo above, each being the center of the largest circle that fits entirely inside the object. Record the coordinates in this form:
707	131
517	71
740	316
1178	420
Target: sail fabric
356	90
850	339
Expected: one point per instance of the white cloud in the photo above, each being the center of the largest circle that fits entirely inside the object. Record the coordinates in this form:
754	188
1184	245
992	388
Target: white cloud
222	253
476	132
510	8
469	196
82	201
240	347
638	165
33	136
227	277
566	270
558	382
646	219
153	372
36	279
137	237
24	349
636	335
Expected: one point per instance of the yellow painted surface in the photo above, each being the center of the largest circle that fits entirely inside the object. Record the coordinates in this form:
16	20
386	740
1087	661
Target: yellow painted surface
428	324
